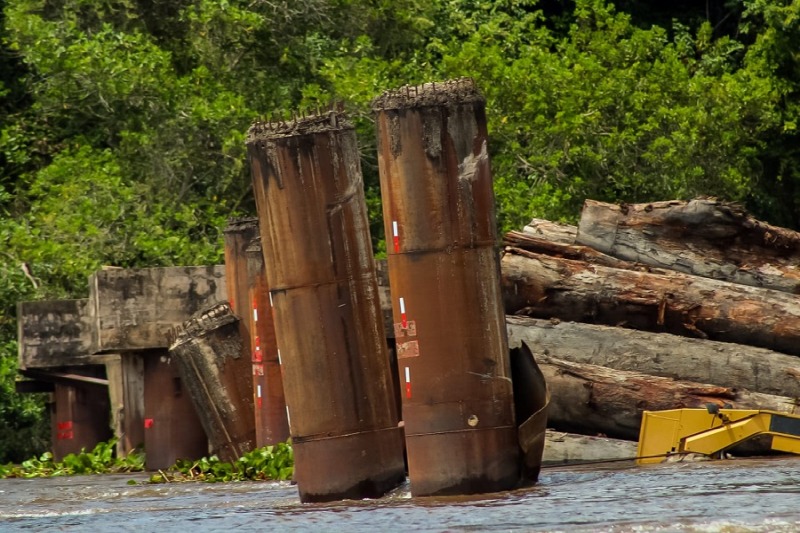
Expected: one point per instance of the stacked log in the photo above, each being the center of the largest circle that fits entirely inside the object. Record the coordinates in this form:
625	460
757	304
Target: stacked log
656	306
661	354
551	231
704	237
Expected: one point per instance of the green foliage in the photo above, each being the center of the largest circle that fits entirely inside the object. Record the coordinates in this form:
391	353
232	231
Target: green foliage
270	462
23	425
100	460
612	112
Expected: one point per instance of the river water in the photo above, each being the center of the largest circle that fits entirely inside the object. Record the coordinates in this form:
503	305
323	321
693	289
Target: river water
722	496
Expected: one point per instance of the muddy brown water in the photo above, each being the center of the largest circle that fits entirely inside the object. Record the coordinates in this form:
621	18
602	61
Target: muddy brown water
726	496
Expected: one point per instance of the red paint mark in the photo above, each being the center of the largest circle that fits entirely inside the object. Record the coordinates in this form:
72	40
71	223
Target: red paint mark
257	355
403	317
230	302
259	402
65	435
258	370
148	423
408	389
395	236
64	425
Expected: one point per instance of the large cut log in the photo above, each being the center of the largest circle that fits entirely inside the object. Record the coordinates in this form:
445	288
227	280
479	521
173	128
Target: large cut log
705	237
523	242
546	287
594	399
660	354
570	448
551	231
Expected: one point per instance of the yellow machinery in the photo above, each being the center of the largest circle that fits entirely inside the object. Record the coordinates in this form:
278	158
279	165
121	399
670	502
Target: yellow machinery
711	431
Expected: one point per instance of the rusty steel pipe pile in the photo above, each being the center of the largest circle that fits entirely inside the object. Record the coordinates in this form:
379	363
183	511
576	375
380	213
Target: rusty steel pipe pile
208	349
444	272
249	299
272	424
238	235
321	274
172	427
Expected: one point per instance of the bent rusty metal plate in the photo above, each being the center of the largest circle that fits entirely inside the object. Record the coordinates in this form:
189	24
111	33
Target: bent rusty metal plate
531	400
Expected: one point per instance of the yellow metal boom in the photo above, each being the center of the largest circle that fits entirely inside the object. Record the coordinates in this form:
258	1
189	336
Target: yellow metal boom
712	430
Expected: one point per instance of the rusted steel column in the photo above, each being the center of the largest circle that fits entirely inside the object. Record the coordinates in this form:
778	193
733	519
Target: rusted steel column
209	353
249	299
321	274
438	210
238	234
272	422
172	429
80	416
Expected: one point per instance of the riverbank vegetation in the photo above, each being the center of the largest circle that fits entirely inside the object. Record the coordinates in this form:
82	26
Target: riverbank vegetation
122	122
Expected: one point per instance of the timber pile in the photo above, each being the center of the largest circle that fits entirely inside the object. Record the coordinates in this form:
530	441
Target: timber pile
656	306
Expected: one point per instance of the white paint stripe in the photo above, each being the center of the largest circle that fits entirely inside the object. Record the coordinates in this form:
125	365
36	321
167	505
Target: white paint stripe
402	306
259	391
279	356
408	375
288	418
255	314
394	228
270	300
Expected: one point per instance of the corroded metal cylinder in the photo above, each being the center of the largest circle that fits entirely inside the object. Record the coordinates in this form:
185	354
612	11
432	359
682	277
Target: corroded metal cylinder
320	270
172	427
249	298
272	423
79	417
444	270
238	234
208	349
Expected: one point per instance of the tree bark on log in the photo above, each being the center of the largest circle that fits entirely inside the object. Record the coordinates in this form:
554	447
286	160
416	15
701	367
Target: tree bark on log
551	231
706	237
660	354
523	243
594	399
545	287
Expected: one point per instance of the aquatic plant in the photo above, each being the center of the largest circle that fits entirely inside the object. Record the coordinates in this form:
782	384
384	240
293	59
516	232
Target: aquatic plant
270	462
99	460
